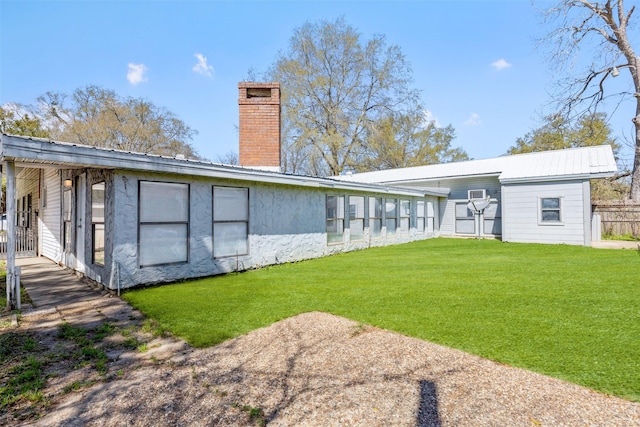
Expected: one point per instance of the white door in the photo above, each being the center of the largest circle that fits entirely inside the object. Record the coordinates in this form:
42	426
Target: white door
81	191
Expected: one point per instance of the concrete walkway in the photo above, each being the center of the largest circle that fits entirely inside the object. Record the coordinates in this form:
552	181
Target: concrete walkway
51	287
616	244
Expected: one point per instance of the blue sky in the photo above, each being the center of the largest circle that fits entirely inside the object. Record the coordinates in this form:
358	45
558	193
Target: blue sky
475	62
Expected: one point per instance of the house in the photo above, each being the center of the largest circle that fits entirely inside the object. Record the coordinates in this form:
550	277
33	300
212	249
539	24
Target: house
541	197
126	219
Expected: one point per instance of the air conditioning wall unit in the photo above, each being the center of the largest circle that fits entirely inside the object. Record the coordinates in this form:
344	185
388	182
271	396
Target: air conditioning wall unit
477	194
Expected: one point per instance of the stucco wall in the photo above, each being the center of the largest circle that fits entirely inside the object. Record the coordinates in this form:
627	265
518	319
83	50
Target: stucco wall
285	224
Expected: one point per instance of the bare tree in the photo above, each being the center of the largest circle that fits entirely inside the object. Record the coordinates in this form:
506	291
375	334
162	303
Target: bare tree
599	29
99	117
334	88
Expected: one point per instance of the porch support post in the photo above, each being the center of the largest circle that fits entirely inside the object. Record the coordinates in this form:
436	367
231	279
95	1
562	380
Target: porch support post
12	293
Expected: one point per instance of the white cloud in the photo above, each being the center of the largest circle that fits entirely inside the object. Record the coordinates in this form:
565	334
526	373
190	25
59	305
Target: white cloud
136	73
428	118
473	120
501	64
202	67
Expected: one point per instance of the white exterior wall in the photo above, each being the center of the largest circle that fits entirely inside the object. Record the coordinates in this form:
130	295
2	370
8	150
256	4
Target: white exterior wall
286	224
459	193
521	213
50	214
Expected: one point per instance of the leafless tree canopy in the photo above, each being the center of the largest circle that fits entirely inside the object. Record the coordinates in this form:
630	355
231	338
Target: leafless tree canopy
601	32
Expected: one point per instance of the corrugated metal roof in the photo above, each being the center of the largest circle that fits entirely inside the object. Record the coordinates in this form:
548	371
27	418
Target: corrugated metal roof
40	151
586	162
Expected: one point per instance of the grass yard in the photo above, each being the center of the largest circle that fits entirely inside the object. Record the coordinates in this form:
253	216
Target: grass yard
565	311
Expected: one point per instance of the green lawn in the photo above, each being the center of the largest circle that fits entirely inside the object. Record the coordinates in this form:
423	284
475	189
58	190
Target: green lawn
570	312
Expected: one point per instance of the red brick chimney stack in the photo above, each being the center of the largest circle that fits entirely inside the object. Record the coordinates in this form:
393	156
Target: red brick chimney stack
259	105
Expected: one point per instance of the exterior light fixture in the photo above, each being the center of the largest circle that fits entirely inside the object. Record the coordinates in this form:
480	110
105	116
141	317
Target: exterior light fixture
68	183
615	72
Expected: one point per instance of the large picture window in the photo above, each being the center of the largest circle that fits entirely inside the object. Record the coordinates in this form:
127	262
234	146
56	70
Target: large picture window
391	216
420	216
375	216
335	219
550	210
230	221
356	217
163	215
97	222
405	215
465	219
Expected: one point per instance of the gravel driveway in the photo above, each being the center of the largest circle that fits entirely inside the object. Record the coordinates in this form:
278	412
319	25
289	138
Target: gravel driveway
317	369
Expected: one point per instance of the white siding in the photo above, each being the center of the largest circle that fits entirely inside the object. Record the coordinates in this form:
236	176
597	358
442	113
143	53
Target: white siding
459	188
49	220
521	213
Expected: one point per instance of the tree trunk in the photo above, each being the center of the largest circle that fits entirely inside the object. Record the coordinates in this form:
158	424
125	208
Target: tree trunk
634	194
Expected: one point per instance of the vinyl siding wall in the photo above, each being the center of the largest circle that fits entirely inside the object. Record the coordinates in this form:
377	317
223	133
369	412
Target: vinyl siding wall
50	216
521	212
459	193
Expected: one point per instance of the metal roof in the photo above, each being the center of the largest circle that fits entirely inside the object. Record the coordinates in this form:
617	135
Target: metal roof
40	152
557	165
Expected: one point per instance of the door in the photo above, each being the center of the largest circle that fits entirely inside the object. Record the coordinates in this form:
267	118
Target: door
80	193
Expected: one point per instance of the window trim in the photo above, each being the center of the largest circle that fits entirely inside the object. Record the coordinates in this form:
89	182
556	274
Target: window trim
541	210
186	223
336	218
467	218
421	229
94	223
361	236
227	221
395	219
371	216
406	218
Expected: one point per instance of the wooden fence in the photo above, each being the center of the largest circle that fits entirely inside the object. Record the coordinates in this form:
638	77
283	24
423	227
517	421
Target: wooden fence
618	218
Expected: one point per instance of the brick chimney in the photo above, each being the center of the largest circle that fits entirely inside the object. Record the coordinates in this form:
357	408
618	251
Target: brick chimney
259	105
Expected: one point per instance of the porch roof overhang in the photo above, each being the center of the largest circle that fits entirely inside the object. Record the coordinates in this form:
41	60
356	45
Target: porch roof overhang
38	152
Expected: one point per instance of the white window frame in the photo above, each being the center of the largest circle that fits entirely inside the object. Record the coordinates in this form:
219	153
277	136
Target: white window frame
404	206
421	222
375	217
542	209
334	208
391	222
470	217
356	217
148	225
98	230
223	218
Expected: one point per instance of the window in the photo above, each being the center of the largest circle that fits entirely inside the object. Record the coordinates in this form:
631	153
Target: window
420	216
375	216
356	217
492	219
550	210
230	221
66	219
335	219
465	220
391	216
97	223
430	218
163	235
405	215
